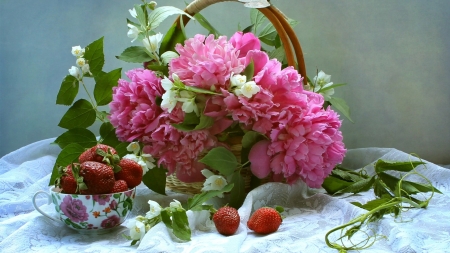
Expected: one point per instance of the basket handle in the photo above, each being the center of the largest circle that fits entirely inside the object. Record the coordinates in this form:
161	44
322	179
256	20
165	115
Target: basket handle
279	21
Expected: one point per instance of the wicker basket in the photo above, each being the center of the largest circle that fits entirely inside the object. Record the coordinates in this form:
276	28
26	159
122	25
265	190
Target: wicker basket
293	52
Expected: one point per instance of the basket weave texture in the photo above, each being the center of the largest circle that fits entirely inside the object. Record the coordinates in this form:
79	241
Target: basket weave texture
294	56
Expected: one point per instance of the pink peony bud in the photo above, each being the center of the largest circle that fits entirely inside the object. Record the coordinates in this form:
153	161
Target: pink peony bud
245	42
260	166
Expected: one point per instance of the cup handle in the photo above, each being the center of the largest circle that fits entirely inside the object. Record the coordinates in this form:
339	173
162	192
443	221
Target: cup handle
49	201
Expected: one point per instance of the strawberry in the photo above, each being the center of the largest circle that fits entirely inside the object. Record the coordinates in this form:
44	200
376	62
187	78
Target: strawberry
99	153
265	220
67	182
130	171
119	186
226	220
98	178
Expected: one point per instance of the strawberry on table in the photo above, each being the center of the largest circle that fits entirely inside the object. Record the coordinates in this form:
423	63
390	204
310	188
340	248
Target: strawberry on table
98	178
130	171
265	220
119	186
99	153
226	220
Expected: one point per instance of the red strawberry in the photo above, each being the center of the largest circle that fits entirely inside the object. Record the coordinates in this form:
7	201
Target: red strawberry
265	220
226	220
130	171
119	186
98	178
99	153
67	182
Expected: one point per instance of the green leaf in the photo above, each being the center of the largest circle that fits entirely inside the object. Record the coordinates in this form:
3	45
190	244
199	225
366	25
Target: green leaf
237	194
173	36
160	14
248	29
121	148
81	136
200	90
80	115
195	203
180	225
221	159
94	56
193	122
256	19
205	122
379	188
332	86
369	206
204	22
165	217
249	71
390	181
104	86
135	54
381	166
341	106
68	91
155	180
358	186
159	68
333	184
346	175
278	53
68	155
141	14
108	135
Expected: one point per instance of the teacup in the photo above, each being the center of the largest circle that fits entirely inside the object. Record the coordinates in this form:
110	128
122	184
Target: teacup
89	214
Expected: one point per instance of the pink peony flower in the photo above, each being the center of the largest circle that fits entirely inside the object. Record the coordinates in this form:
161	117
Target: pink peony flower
74	209
178	151
244	42
134	111
206	63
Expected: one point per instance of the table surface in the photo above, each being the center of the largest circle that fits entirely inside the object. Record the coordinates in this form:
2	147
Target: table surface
310	214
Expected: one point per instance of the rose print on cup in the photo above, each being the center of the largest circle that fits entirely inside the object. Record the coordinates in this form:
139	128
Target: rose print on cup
74	209
110	222
102	199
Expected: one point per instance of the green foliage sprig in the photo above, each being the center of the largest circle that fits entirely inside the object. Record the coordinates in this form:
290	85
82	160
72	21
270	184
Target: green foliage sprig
393	195
83	113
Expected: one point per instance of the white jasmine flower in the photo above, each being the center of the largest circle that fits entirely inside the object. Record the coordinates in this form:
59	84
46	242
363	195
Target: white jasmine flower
322	81
75	72
133	33
168	56
80	62
152	42
213	182
133	12
188	100
134	147
85	69
155	210
149	161
238	80
131	157
169	100
77	51
167	84
176	204
248	89
137	229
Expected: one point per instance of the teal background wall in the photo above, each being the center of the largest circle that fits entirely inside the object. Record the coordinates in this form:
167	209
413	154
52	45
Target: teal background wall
394	56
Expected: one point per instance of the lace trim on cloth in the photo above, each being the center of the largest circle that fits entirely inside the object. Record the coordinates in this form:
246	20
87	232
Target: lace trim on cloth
310	213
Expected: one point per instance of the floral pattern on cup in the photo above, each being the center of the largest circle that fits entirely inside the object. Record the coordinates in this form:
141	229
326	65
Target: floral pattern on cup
93	212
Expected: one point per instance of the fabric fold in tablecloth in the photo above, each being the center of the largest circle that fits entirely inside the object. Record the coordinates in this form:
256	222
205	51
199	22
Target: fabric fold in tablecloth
310	214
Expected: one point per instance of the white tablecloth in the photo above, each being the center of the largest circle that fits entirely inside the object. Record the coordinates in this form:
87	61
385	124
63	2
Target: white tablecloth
309	214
